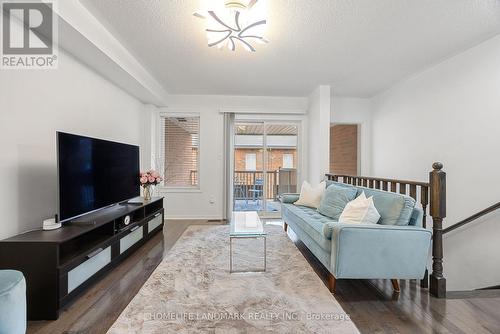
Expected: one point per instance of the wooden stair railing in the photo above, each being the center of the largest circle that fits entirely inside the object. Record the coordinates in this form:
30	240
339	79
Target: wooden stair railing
433	193
472	218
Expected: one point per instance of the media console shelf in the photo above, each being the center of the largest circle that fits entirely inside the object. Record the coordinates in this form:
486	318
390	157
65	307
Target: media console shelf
61	263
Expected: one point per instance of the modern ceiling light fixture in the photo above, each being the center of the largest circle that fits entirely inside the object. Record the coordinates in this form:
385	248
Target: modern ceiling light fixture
237	22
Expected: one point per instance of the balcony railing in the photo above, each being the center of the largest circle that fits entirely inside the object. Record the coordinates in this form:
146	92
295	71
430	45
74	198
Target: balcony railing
250	184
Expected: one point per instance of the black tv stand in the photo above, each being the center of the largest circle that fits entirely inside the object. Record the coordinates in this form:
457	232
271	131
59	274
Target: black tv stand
132	203
61	263
83	222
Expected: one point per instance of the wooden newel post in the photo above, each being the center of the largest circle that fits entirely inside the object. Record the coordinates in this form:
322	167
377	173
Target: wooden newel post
438	212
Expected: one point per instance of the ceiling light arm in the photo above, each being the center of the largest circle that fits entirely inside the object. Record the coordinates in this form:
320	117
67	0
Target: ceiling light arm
233	46
262	39
222	39
251	26
216	18
237	20
251	3
242	41
215	30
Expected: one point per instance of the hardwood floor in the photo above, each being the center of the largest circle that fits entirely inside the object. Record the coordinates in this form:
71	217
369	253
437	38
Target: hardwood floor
376	308
372	304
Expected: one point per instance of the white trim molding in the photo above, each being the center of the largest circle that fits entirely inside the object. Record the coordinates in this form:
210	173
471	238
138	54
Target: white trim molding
263	111
195	217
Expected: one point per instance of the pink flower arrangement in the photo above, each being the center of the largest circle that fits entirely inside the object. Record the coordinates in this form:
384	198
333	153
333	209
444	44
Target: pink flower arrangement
150	178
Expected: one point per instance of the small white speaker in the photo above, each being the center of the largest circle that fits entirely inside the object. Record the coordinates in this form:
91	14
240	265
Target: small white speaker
50	224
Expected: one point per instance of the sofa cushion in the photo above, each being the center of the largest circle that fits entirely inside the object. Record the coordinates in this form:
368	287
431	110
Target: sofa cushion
394	209
335	199
323	255
311	222
339	184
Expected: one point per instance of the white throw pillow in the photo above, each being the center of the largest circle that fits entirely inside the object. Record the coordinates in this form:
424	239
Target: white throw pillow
311	196
361	210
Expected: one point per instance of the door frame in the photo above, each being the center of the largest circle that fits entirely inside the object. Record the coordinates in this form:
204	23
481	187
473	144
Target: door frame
281	119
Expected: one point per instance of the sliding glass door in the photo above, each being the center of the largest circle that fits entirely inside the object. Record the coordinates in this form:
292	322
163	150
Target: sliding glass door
281	163
248	182
265	165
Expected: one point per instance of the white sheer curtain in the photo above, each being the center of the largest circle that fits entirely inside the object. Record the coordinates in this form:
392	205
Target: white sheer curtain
229	164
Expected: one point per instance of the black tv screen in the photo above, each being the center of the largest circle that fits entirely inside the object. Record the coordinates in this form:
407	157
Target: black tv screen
94	173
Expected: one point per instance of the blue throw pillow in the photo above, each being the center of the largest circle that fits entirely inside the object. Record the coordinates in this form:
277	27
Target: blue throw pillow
335	199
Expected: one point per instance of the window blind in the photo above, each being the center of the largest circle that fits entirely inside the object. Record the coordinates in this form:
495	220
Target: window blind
181	142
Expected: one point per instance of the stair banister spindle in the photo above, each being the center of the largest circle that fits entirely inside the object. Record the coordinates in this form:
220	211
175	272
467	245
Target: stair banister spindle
424	201
438	212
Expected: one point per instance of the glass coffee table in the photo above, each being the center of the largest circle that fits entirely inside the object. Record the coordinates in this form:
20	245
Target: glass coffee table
246	224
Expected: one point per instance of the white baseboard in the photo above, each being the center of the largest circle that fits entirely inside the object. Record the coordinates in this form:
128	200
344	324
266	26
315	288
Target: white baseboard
182	217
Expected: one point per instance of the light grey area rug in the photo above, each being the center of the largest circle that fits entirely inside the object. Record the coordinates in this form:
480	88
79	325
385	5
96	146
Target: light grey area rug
192	291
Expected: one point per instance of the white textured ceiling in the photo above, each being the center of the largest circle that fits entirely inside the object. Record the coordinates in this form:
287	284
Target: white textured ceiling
359	47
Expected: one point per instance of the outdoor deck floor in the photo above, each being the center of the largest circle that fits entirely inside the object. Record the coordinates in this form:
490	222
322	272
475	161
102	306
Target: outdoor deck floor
256	205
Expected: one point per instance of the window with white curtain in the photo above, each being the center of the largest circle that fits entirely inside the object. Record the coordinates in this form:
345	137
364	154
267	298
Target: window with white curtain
180	150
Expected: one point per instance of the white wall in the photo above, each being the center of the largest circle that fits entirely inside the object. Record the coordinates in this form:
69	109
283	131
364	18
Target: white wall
34	105
450	113
206	203
352	110
318	146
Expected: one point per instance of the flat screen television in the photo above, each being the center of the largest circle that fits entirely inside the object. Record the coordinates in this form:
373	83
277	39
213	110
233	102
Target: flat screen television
94	173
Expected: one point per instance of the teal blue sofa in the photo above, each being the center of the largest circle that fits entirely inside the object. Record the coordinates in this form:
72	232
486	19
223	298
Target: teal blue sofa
12	302
397	247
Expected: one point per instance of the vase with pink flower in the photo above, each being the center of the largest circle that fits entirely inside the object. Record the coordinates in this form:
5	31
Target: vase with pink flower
148	180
